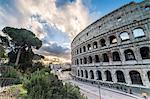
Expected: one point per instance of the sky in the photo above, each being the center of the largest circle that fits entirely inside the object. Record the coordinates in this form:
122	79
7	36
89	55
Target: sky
55	22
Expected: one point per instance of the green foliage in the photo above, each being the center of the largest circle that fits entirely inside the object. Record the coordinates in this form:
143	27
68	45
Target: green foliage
12	73
23	41
2	52
22	37
72	92
44	85
36	66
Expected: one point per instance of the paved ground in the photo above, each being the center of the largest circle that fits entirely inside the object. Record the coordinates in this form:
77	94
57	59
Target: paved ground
93	92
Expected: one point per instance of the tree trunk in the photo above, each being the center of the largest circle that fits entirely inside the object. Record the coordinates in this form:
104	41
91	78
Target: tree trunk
18	57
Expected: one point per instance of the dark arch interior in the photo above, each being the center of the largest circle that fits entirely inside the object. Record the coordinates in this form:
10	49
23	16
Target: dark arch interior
129	55
108	75
135	77
145	52
116	56
86	74
91	74
102	42
99	76
120	76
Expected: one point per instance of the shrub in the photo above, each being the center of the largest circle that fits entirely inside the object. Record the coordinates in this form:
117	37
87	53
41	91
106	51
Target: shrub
44	85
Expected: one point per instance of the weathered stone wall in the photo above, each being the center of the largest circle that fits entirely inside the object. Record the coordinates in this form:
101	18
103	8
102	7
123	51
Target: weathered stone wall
128	19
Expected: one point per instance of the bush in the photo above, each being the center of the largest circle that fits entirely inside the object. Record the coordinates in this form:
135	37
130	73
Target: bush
44	85
11	75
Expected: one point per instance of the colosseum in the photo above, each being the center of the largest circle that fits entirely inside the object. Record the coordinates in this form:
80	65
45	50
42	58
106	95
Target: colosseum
114	51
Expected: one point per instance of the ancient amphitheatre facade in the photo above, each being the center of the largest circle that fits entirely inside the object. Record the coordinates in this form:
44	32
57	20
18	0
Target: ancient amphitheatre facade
114	51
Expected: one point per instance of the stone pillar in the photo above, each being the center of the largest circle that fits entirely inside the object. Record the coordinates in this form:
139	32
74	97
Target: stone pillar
95	75
137	54
107	41
113	73
103	75
110	57
122	56
127	77
145	79
118	38
131	35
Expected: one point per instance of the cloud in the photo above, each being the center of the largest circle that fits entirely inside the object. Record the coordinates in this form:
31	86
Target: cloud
55	49
55	22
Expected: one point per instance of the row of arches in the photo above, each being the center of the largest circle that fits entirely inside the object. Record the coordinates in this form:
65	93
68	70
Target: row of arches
134	76
128	54
124	36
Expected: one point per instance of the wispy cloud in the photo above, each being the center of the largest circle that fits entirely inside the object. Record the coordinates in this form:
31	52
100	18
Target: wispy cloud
55	22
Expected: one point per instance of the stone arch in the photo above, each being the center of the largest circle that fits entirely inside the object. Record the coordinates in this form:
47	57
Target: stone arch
105	57
77	51
82	73
86	74
97	59
138	32
89	46
135	77
91	74
85	60
84	49
99	75
77	61
129	55
124	36
148	75
116	56
108	75
120	76
102	42
81	60
90	59
95	45
113	39
78	72
145	52
80	50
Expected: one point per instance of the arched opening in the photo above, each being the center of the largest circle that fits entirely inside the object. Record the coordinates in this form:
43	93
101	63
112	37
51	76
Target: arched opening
91	74
86	74
108	75
81	61
84	49
102	42
120	76
81	73
129	55
89	46
77	51
113	39
85	60
95	45
138	32
78	73
99	76
145	52
90	59
80	50
116	56
77	62
148	74
105	58
124	36
97	59
135	77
